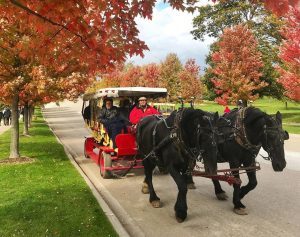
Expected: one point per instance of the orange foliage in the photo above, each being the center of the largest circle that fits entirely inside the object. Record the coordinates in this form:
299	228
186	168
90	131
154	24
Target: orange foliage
290	55
237	66
190	80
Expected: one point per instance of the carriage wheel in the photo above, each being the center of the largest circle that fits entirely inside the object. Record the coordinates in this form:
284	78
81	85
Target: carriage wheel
105	161
85	147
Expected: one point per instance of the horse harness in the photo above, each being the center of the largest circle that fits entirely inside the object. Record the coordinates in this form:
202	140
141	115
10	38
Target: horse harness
240	136
191	154
240	132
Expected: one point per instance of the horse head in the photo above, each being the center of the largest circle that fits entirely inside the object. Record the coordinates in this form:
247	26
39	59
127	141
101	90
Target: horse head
266	130
273	141
201	130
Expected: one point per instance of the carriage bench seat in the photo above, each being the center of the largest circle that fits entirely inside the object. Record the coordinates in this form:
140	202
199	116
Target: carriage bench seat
126	144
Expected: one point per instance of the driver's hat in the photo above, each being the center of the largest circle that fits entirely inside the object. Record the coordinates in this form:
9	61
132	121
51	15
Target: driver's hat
142	98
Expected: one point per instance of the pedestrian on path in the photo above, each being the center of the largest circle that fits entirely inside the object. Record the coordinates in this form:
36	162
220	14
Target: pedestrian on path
7	116
1	117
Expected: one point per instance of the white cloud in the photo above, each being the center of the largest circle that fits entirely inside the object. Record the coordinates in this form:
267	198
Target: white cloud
169	32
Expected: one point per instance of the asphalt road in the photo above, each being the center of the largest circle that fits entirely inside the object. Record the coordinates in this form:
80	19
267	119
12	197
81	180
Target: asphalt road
274	206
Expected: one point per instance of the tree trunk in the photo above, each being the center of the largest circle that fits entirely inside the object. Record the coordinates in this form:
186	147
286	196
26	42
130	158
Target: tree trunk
25	116
286	105
30	113
14	142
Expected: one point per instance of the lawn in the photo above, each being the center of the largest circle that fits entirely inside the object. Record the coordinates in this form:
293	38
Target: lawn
290	115
47	197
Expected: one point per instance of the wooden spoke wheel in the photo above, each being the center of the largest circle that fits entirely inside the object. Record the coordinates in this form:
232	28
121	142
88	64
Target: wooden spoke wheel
85	148
105	162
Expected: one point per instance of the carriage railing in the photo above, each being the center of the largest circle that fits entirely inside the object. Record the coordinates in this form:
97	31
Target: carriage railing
99	133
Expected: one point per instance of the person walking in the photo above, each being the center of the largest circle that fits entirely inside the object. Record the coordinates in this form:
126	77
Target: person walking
1	117
6	116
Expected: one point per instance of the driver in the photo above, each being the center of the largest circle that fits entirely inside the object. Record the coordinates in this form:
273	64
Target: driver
142	109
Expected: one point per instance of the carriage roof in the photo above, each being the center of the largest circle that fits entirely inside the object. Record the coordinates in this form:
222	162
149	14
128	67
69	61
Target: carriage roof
127	92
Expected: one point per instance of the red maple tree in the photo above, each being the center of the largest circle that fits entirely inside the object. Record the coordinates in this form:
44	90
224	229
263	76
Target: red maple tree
290	55
237	66
190	80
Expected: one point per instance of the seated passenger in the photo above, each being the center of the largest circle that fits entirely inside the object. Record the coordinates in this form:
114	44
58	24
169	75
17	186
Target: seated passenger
109	116
142	109
87	114
125	110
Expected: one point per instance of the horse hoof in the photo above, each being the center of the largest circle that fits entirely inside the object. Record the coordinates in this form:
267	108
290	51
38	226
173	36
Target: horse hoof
156	204
179	220
145	188
222	196
240	211
191	186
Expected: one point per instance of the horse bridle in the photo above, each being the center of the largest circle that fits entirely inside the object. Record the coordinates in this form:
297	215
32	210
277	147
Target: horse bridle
277	130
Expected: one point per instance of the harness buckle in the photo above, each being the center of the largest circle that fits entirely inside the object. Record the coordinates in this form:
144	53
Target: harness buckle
173	135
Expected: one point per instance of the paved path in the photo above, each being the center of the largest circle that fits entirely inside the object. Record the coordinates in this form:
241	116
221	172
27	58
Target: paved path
4	128
274	207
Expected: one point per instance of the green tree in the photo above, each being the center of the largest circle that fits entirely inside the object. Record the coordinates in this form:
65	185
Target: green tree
213	19
169	75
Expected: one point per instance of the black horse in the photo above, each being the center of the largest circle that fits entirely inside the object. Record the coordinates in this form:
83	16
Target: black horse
177	142
241	135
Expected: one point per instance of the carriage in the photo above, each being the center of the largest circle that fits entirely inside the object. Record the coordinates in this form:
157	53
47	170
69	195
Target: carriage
99	146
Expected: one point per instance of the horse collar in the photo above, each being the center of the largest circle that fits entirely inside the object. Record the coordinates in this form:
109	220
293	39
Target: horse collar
240	132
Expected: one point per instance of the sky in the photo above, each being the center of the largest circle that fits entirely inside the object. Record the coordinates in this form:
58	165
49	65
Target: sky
169	32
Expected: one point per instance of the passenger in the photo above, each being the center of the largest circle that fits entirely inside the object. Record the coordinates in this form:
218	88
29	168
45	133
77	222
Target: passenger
109	116
142	109
87	114
124	110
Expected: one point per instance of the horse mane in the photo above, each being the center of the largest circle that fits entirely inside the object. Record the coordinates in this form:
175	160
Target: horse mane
189	122
253	115
170	119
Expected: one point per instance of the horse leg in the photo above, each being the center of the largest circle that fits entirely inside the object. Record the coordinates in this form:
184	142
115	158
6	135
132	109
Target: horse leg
180	205
239	207
220	193
251	184
153	199
189	181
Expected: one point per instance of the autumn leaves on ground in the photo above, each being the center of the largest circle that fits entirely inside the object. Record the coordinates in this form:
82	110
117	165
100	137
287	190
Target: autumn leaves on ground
47	197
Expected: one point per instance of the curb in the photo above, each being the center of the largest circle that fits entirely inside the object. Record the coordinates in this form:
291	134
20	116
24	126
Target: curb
124	225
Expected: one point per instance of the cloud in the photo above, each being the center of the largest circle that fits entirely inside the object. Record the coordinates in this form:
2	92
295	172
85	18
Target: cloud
169	32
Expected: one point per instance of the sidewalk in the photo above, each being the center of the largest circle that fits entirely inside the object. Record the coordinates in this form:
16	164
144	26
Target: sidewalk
4	128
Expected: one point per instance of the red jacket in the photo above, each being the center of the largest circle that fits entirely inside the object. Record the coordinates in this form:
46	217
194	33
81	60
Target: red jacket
137	113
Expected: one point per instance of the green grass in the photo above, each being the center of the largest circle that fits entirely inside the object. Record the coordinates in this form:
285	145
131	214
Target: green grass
290	115
47	197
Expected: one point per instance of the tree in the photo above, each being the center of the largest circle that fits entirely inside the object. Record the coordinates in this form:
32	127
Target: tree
70	36
132	76
237	66
17	64
151	75
190	80
213	19
290	55
281	7
169	77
